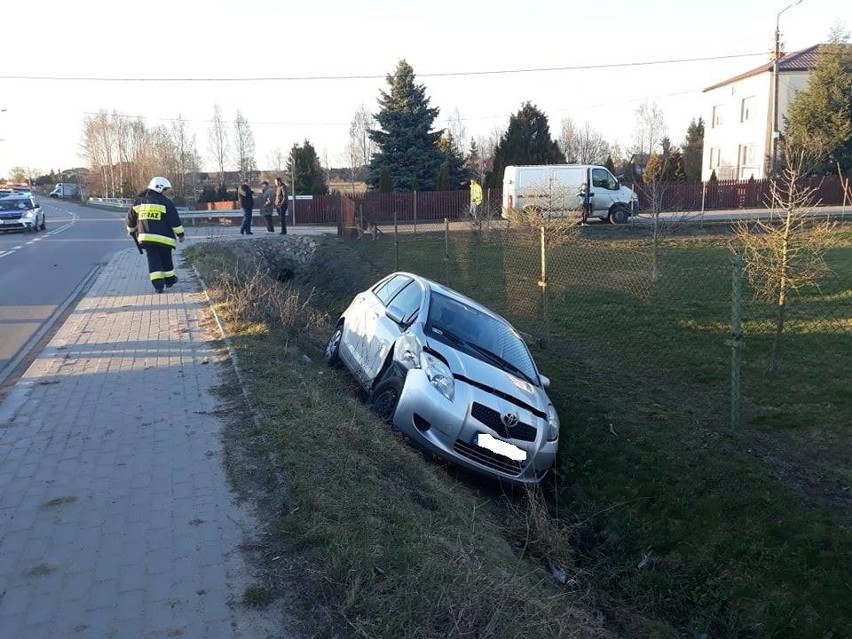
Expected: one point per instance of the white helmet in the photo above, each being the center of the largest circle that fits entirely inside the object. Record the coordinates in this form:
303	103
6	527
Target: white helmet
159	184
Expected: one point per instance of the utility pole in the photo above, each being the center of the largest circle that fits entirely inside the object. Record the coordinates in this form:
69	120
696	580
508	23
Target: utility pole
775	57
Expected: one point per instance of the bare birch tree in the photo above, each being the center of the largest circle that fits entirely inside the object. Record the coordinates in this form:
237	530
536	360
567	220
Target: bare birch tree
217	143
458	130
650	128
582	145
359	136
244	147
186	159
784	257
277	161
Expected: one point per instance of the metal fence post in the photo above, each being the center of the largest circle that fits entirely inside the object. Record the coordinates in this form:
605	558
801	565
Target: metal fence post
395	242
736	342
447	251
415	212
360	219
543	284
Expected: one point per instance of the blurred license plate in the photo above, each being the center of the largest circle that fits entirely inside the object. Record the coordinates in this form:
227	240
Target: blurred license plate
484	440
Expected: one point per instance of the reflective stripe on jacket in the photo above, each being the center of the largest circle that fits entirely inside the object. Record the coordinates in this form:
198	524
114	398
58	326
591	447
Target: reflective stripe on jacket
153	218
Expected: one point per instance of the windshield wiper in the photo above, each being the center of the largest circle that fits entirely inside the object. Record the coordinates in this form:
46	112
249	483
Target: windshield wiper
491	356
496	359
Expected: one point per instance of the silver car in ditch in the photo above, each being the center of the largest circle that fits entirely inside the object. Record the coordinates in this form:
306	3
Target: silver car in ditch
452	375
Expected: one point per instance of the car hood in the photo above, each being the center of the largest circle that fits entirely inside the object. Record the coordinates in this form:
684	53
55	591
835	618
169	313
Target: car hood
490	376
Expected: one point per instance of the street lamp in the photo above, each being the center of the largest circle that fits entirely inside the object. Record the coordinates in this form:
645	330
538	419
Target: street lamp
775	133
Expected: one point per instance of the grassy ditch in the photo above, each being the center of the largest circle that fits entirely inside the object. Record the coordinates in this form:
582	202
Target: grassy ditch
379	541
669	525
687	528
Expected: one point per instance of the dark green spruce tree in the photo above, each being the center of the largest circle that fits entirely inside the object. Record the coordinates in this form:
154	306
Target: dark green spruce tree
820	117
407	145
457	174
310	177
692	149
526	141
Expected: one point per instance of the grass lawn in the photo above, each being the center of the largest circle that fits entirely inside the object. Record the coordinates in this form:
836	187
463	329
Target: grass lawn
737	534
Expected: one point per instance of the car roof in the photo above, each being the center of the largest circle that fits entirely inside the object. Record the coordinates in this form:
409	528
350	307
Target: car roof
431	285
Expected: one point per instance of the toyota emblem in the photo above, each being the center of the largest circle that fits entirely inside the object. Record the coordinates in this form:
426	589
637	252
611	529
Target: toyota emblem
510	420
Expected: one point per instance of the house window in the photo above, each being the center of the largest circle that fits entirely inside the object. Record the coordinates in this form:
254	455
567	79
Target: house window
715	158
747	109
718	120
746	154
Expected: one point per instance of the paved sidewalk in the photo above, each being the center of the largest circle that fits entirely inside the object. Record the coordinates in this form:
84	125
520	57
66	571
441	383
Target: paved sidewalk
116	519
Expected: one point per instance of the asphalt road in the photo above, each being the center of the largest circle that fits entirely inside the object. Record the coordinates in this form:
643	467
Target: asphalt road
42	274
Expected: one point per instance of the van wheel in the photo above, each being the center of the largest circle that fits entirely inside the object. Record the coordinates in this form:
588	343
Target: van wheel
619	215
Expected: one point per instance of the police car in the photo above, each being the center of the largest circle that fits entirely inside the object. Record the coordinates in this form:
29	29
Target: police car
21	212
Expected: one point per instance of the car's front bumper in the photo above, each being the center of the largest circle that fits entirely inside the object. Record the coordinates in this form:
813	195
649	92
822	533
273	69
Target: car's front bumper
18	223
450	429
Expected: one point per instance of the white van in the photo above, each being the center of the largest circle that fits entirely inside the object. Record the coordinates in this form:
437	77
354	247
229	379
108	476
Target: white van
65	190
561	189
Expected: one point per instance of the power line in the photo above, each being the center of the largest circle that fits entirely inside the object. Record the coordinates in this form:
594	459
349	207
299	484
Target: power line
447	74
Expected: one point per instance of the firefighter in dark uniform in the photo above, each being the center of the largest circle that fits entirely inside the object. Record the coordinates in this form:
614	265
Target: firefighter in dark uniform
154	221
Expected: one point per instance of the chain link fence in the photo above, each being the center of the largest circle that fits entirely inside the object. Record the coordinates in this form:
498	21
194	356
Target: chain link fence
642	312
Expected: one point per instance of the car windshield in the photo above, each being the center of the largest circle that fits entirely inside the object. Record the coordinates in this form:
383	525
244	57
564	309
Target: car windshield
480	335
14	205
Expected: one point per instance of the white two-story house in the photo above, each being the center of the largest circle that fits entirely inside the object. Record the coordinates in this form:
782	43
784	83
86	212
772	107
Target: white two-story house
738	116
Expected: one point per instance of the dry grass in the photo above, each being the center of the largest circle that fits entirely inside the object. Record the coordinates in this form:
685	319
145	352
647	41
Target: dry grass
383	541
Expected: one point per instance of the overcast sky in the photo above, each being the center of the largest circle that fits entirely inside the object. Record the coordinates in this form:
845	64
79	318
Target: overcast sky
41	125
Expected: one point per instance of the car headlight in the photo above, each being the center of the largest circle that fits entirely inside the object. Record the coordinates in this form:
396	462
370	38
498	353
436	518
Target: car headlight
28	215
438	374
552	424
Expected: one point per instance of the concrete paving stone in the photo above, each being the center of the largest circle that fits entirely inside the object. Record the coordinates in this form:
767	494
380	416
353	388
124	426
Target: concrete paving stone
40	610
134	627
108	565
131	605
158	588
10	625
76	585
15	601
103	593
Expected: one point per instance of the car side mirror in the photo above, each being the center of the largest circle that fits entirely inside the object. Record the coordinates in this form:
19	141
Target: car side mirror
395	313
545	381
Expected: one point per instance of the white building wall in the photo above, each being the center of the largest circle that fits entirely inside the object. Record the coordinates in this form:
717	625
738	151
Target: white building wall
738	145
740	149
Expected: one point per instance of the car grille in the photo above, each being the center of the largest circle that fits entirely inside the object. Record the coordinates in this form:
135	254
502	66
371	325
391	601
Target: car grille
487	458
491	418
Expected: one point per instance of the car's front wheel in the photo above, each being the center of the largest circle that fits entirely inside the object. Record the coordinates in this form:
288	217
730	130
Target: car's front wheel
385	397
43	222
332	348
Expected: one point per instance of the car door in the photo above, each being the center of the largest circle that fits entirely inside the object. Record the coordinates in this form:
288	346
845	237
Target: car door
567	188
361	320
603	185
384	331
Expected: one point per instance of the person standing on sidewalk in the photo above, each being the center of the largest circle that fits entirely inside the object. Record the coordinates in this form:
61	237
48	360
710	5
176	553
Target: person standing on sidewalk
154	223
475	198
267	199
281	203
246	198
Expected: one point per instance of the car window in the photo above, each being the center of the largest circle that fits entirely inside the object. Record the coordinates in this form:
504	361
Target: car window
480	330
601	178
408	301
391	287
